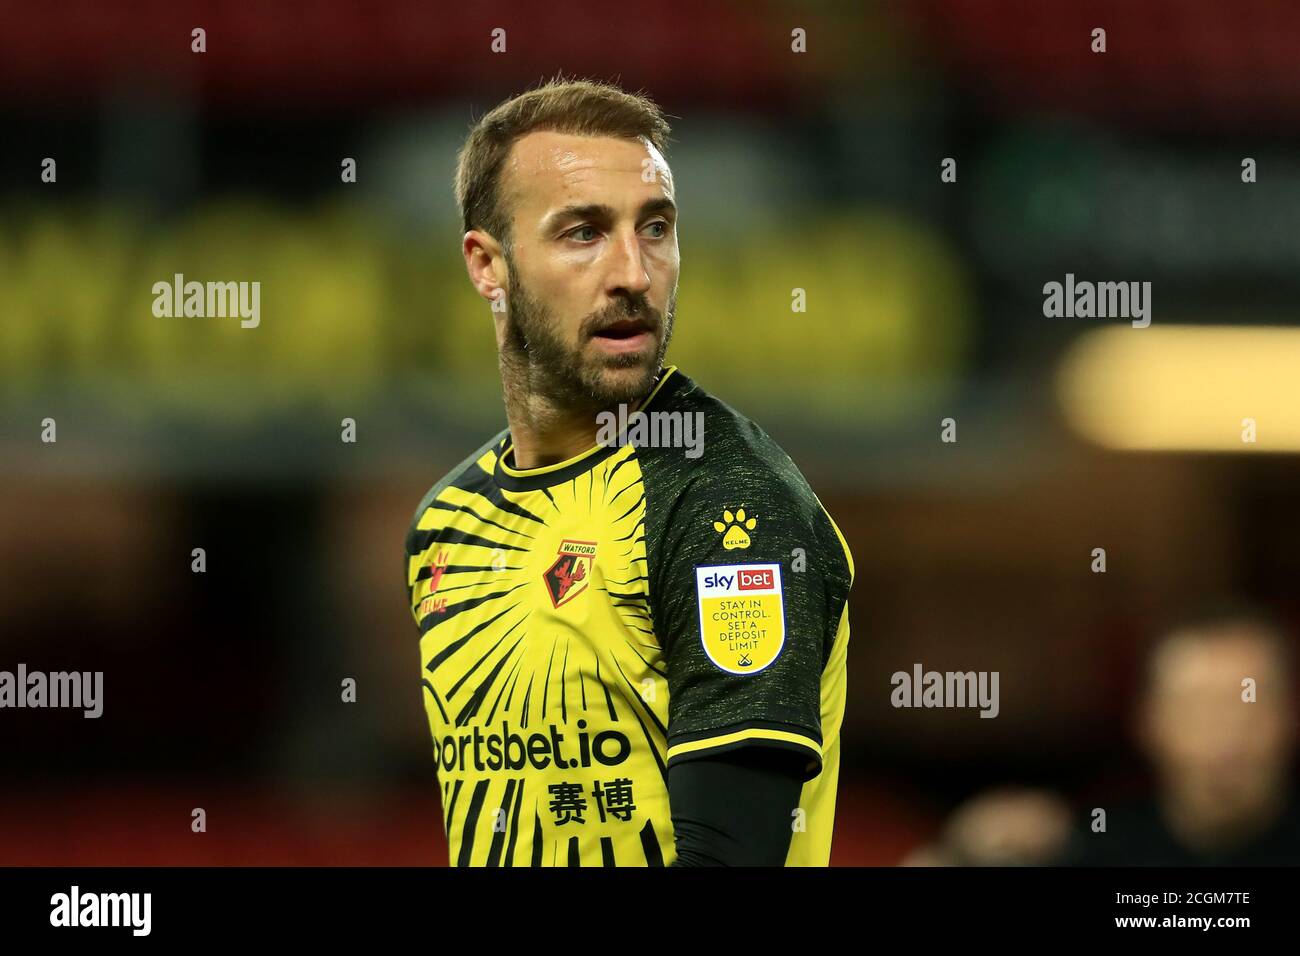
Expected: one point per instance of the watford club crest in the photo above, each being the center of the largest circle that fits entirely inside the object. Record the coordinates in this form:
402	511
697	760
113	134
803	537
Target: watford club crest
569	575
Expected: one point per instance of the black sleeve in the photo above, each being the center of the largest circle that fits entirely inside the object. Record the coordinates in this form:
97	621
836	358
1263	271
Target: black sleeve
735	808
747	631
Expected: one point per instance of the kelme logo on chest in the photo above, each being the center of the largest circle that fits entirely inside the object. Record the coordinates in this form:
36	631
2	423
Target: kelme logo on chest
433	603
570	573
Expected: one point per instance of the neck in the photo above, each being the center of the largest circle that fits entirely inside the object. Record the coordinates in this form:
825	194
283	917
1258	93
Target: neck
544	431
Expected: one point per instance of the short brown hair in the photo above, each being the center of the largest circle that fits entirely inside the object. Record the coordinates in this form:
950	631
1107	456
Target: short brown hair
581	107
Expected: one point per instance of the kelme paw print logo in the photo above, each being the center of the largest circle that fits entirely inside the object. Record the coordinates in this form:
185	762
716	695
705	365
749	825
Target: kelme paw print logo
733	529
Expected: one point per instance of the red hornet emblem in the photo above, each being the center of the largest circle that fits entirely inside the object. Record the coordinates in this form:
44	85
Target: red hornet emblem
570	573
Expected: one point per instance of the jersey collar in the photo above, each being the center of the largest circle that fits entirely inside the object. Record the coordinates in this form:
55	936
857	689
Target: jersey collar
531	479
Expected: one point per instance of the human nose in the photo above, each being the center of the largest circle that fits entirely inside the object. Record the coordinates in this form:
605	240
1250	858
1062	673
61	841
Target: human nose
628	271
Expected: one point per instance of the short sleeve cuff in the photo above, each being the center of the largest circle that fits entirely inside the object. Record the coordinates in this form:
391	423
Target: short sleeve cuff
709	743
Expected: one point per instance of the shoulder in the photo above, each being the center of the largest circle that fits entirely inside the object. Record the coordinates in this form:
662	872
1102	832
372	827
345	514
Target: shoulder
734	494
736	461
457	475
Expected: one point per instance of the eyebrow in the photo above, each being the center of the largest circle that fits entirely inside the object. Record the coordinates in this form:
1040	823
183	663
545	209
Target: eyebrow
597	210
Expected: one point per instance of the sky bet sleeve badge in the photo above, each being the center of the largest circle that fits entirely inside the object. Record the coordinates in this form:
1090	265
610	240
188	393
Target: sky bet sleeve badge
742	615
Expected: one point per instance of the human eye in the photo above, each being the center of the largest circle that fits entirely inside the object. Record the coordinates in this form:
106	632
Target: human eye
663	226
578	233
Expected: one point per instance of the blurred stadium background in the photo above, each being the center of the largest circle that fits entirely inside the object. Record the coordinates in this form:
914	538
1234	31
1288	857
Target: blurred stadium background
818	171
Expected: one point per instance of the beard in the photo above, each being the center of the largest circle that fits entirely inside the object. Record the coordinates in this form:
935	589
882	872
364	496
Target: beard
536	359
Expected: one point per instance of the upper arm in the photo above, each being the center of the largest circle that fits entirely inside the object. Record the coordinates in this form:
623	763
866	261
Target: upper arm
746	591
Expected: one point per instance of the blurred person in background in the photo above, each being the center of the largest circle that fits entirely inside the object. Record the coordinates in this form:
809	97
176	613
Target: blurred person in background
1217	721
1005	826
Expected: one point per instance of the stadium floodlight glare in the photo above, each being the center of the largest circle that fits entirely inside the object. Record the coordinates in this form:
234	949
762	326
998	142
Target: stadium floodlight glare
1185	388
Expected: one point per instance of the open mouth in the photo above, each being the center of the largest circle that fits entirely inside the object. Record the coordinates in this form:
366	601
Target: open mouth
627	329
626	337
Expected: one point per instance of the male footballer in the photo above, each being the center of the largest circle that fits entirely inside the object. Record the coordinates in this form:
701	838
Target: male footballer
633	650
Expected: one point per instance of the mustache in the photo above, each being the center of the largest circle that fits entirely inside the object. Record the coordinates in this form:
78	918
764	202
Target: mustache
639	311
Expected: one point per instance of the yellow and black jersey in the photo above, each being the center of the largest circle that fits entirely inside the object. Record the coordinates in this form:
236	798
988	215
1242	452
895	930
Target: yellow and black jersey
586	625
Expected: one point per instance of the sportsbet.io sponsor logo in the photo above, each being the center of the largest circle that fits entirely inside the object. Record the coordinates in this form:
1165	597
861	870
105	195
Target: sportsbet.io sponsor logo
511	751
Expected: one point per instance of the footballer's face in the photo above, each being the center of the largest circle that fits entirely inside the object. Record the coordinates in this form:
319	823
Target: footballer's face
592	282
